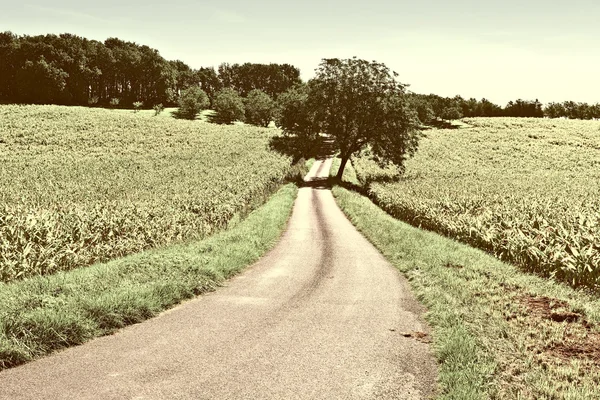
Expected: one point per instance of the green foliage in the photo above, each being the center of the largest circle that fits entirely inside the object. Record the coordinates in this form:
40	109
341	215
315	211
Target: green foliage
431	108
572	110
68	69
356	103
294	116
300	137
450	113
137	105
158	108
41	82
114	102
229	106
524	108
260	108
422	108
82	185
191	101
273	79
92	101
518	188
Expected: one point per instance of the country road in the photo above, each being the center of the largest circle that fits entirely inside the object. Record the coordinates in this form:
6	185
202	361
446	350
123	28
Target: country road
321	316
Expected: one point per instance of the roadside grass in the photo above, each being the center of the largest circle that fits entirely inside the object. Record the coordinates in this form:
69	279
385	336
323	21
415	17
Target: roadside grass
46	313
498	333
309	163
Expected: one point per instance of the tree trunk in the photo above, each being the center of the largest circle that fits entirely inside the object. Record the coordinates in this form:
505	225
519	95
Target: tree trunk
340	172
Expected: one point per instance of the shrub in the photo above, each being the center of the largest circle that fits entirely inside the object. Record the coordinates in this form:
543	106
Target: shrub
93	100
260	108
137	105
191	101
229	106
451	113
115	101
158	108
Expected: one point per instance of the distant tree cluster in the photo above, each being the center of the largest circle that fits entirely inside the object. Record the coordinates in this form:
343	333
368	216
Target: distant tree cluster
71	70
572	110
68	69
524	108
273	79
431	108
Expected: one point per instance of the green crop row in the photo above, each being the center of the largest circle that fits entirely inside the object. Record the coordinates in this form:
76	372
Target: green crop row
526	190
80	185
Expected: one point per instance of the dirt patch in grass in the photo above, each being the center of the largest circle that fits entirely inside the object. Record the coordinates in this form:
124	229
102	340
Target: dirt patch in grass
418	336
551	309
453	265
586	347
579	338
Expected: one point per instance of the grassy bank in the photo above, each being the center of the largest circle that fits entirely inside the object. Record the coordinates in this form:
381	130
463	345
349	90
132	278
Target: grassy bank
498	333
46	313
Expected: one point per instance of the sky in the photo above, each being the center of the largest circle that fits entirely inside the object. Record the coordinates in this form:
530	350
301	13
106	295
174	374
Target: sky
500	50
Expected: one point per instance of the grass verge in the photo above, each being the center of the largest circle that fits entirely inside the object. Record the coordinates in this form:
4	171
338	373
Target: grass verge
309	163
46	313
498	333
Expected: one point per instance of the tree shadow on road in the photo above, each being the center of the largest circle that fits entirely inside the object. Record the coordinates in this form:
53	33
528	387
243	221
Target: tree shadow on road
317	147
330	182
318	183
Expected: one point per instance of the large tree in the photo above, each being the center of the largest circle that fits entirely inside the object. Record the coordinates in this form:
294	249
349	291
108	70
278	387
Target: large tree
229	106
191	101
260	108
359	103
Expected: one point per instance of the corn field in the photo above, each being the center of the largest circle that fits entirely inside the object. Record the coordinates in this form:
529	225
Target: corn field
526	190
80	185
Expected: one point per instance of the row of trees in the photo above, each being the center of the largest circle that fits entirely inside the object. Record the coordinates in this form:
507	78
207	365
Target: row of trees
68	69
257	108
572	110
72	70
431	107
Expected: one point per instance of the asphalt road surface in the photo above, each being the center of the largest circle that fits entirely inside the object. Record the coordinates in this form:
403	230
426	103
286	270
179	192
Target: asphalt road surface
322	316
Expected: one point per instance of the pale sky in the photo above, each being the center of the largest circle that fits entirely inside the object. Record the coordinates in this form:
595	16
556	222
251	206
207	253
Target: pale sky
501	50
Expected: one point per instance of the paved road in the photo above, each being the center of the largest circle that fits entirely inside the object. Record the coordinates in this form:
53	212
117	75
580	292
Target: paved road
319	317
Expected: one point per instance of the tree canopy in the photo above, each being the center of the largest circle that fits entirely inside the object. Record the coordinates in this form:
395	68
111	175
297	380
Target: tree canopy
260	108
358	103
71	70
191	101
229	106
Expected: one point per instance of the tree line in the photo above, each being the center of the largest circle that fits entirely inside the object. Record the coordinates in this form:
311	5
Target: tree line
72	70
430	108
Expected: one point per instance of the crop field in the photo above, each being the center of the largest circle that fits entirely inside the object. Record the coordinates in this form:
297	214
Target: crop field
80	185
526	190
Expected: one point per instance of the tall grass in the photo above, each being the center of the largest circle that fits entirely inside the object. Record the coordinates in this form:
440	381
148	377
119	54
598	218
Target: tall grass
79	185
525	190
